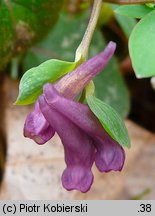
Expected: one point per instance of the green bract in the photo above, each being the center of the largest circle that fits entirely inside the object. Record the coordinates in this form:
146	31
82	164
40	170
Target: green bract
142	46
33	80
110	119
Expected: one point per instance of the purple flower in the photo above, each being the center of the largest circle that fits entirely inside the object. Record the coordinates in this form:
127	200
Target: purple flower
36	127
78	148
83	137
109	154
74	82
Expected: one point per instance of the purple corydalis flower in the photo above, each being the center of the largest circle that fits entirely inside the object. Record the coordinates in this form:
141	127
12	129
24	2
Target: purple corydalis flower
36	126
69	86
82	135
109	154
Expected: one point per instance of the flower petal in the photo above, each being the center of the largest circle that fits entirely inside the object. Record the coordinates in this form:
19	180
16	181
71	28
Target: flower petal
74	82
77	177
109	156
78	148
37	128
78	113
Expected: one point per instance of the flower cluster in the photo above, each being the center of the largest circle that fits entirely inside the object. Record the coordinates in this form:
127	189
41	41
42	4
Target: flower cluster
84	139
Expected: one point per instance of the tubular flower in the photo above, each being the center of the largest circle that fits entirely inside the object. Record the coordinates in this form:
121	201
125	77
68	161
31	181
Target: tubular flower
109	154
84	139
78	148
36	127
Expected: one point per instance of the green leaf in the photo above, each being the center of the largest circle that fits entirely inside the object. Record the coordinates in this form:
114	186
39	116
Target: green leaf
110	120
22	23
142	47
33	80
127	23
111	88
135	11
150	5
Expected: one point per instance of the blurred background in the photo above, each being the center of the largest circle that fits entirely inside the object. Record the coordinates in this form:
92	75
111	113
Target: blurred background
34	31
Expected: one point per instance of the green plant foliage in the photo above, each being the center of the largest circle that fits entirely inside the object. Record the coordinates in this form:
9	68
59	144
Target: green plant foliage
106	14
110	120
23	22
62	43
33	80
135	11
150	5
142	46
126	23
110	87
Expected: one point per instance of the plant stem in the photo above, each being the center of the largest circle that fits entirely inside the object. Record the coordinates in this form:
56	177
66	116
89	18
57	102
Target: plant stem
82	50
130	1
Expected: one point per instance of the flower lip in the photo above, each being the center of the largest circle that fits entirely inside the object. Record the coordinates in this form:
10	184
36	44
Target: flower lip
77	178
78	173
109	155
37	128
